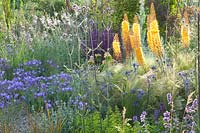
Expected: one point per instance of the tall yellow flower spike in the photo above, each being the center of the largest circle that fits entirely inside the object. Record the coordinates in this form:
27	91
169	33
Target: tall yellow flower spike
149	38
153	35
136	42
157	48
185	31
132	41
126	35
139	56
116	47
136	33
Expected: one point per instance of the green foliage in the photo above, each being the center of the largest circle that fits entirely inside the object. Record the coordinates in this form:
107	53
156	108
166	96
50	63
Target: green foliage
10	117
49	7
106	87
131	7
50	120
7	12
17	4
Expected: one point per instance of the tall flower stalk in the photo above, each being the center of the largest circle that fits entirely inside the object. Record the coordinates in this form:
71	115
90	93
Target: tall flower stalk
116	48
153	33
185	30
136	42
125	35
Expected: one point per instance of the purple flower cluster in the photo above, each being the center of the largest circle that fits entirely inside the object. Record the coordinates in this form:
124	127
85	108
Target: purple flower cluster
186	76
78	103
190	111
3	64
28	84
167	119
135	118
143	117
100	40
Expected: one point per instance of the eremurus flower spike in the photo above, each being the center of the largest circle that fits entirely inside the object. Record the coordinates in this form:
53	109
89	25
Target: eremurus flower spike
116	48
185	30
139	56
125	35
136	33
136	42
153	35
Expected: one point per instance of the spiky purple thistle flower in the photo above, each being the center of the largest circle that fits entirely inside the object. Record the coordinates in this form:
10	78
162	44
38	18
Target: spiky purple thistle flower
135	118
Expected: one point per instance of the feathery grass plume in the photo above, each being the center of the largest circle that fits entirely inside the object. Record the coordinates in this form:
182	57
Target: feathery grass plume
140	56
116	47
153	34
125	35
185	30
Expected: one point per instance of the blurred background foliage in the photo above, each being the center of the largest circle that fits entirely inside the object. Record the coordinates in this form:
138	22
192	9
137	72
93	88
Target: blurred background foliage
168	11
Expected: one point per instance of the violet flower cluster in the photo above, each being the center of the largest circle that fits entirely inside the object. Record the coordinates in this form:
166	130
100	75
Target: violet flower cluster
190	111
28	85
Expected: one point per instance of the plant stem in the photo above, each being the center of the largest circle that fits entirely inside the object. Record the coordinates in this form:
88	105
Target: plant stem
198	66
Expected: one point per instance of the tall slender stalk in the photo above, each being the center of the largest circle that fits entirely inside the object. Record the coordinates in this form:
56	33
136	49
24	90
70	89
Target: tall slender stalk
198	65
166	30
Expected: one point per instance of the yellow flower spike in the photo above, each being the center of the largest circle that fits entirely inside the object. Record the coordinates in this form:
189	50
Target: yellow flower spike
149	41
185	37
185	31
125	35
153	33
116	47
149	36
136	33
132	41
154	26
139	56
136	42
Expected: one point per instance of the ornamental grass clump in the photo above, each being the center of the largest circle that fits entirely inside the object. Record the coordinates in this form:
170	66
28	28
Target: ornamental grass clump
125	35
136	42
116	48
185	30
153	34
